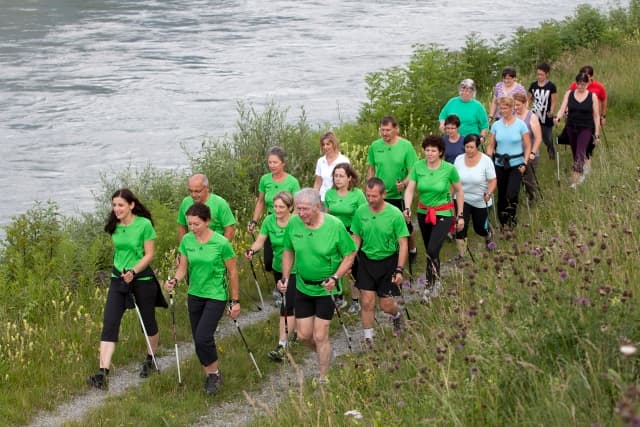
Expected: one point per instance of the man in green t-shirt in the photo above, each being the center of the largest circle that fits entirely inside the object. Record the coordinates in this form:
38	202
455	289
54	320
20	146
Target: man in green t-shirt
380	231
391	158
323	253
222	219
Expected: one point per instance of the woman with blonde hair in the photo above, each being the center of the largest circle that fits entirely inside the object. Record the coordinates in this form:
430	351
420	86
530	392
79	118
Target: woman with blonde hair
330	146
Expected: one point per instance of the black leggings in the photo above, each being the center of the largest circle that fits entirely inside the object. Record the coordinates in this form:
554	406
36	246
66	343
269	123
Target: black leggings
267	256
290	294
204	315
480	218
433	237
509	181
145	295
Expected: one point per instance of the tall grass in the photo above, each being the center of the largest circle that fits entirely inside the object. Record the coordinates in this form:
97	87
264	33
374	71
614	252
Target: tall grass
529	335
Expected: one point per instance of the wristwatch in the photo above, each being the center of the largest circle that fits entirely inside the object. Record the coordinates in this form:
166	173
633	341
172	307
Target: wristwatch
335	279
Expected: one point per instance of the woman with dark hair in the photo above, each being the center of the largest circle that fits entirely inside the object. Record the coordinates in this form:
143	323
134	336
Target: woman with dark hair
270	184
582	109
342	200
433	178
273	228
453	141
132	234
507	87
209	259
511	145
478	178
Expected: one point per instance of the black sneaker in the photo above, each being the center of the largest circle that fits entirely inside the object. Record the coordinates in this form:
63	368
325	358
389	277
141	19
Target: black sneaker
147	367
278	354
98	381
213	383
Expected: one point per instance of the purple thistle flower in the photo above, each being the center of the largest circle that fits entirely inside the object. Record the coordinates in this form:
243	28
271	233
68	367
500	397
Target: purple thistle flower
406	284
492	245
572	262
563	275
582	301
422	281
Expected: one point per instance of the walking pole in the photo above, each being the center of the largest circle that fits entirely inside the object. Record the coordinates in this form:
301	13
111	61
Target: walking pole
255	280
344	328
535	178
144	330
558	161
406	310
175	338
253	359
286	321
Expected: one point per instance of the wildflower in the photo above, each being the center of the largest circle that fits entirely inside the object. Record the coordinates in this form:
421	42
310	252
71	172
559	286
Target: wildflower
353	413
582	301
563	275
628	349
572	262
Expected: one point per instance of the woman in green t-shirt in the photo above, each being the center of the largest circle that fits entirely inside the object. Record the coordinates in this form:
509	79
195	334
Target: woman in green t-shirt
272	183
273	228
209	259
132	233
341	201
434	179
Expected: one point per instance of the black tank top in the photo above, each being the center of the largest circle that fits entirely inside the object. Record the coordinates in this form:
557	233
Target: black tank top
581	113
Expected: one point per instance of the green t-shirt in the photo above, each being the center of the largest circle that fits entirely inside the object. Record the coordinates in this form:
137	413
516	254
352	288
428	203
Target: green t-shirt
207	269
275	233
434	186
472	115
270	188
221	215
128	242
379	231
343	207
318	252
392	163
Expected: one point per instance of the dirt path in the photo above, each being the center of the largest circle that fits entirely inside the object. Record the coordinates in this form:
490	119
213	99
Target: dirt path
127	377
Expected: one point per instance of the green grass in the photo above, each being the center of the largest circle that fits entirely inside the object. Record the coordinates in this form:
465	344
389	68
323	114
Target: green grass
528	335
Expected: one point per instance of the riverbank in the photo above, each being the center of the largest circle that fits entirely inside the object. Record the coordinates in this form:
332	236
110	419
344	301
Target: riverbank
529	335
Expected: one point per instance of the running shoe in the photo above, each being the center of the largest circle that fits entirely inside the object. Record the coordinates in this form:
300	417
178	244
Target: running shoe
354	308
213	383
147	367
98	380
278	354
437	288
341	302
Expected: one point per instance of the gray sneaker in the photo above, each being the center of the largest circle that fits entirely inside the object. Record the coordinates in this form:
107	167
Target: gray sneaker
398	324
354	308
213	383
426	296
278	354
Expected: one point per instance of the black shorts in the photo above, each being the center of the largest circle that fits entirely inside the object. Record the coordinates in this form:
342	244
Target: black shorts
399	203
375	275
307	306
290	295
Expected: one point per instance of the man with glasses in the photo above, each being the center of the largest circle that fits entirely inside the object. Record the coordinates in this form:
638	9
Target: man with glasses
222	219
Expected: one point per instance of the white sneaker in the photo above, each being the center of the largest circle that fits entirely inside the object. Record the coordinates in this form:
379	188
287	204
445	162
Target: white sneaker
586	169
581	179
573	186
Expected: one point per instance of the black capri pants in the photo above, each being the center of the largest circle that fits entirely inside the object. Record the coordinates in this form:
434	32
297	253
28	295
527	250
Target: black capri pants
480	218
204	315
290	295
145	294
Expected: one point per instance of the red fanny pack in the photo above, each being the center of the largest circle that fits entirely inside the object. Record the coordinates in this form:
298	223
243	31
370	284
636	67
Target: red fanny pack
430	217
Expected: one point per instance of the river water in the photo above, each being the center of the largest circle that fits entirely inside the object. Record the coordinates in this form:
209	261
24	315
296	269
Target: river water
93	86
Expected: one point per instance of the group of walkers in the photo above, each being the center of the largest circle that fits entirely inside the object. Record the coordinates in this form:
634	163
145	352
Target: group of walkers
317	240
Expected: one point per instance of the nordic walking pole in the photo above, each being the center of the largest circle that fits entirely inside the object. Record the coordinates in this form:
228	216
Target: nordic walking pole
144	330
286	321
557	161
255	280
344	328
406	310
253	359
175	338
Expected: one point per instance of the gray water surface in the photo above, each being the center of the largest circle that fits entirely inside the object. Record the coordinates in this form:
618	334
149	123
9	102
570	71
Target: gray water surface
90	87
